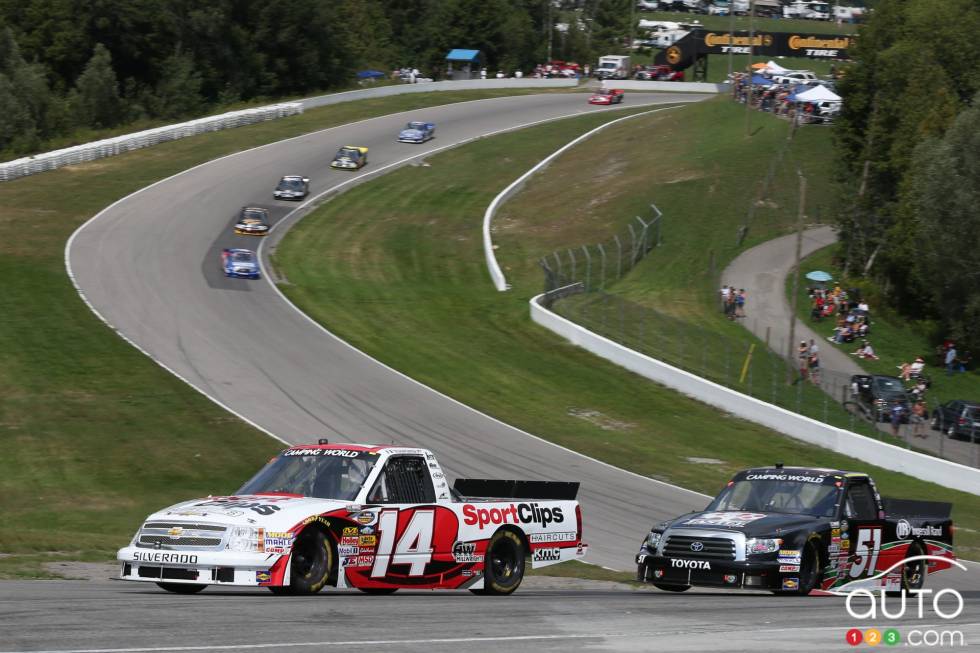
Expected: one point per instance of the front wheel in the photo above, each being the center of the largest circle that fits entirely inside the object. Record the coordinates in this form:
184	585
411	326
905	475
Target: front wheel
809	572
181	588
312	562
504	564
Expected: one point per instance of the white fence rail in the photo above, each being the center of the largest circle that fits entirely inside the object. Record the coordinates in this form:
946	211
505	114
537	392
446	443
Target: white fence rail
942	472
128	142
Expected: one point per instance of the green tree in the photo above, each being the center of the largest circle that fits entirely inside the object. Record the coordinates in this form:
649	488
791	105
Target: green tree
178	93
95	99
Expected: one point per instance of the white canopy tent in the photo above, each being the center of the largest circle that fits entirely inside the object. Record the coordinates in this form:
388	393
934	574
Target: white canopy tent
818	94
774	68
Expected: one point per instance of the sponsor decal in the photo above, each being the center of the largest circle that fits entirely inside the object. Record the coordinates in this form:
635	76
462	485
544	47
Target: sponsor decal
367	518
200	512
833	548
690	564
843	526
904	529
547	554
790	553
367	530
162	556
523	513
350	561
438	475
581	549
365	561
835	532
806	42
348	541
349	531
263	576
368	540
791	583
727	519
471	572
176	531
788	568
466	552
344	550
796	478
542	538
344	453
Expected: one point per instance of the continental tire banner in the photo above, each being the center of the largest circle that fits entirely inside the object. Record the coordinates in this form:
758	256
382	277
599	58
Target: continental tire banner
772	44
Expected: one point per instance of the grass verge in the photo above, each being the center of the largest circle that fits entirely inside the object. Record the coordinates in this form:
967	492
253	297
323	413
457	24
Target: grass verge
94	434
407	284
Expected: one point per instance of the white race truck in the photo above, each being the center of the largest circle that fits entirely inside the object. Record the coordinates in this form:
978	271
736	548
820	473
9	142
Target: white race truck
377	518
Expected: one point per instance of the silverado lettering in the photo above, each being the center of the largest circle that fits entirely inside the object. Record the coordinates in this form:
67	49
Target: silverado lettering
161	556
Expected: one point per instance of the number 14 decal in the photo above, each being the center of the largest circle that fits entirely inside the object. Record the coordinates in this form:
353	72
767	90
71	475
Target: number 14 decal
414	547
866	549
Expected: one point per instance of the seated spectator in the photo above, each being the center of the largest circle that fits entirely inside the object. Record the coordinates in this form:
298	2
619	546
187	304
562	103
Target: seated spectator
862	329
865	351
915	369
905	371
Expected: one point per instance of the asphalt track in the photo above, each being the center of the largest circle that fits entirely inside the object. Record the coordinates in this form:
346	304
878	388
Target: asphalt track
149	265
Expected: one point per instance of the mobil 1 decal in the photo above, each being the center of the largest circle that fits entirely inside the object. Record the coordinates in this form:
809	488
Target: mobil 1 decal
411	547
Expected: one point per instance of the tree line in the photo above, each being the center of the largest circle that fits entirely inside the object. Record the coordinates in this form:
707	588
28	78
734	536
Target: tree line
69	66
909	146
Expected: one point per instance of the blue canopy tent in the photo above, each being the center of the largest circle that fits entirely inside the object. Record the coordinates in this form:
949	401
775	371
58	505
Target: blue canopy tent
469	63
759	80
370	74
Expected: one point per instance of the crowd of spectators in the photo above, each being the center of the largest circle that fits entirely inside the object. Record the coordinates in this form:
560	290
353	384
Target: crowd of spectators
732	302
777	99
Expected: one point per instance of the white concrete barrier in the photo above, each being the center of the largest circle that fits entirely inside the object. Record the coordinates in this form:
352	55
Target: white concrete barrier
673	87
428	87
927	468
128	142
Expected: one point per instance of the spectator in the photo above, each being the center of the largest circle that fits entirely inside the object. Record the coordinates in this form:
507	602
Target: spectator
866	351
950	359
740	303
918	419
915	369
483	73
896	418
905	371
814	362
724	298
803	356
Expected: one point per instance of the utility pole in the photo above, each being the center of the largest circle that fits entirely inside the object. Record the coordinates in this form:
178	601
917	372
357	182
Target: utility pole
551	28
748	95
629	44
731	37
796	273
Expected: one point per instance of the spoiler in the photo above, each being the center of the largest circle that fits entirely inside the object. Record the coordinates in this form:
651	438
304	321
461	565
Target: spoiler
476	487
912	508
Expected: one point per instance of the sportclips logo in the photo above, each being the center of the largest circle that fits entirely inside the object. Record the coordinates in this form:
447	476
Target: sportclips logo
521	513
925	606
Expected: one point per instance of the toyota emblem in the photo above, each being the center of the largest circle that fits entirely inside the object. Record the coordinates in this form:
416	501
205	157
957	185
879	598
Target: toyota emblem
697	546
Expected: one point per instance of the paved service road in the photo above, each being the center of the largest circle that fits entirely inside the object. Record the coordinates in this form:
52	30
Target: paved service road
544	615
150	265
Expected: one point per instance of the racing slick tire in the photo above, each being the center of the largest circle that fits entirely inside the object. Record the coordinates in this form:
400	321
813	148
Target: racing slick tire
809	572
504	564
671	588
313	561
181	588
914	573
378	591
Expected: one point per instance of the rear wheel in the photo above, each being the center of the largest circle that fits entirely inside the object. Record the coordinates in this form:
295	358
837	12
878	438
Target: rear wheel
312	562
503	565
914	573
181	588
672	588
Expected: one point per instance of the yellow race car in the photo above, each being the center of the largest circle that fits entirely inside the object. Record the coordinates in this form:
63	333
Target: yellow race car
350	157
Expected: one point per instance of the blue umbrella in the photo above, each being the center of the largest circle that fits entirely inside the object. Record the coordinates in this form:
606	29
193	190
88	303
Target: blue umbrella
818	275
370	74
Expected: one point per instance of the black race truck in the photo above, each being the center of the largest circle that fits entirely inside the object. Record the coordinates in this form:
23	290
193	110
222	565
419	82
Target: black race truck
792	530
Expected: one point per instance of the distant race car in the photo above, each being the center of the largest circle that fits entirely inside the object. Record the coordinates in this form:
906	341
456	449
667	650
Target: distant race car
417	132
292	187
252	221
607	96
240	263
350	157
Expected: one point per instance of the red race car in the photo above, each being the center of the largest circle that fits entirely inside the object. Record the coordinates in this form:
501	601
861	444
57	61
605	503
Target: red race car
607	96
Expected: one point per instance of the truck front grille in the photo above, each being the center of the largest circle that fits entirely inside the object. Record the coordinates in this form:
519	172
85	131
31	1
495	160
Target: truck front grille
699	548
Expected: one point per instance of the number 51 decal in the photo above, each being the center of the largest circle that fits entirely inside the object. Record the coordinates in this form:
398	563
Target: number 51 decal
414	547
866	549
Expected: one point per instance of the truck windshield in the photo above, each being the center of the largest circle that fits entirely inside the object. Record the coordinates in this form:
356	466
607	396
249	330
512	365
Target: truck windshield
794	497
323	474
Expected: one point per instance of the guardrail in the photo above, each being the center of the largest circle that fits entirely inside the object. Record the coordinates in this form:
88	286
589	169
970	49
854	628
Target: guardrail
138	140
943	472
674	87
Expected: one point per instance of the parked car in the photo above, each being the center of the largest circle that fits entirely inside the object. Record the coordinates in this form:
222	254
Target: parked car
958	419
877	395
795	77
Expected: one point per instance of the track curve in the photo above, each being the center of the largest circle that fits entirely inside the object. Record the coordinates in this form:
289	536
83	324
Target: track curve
148	265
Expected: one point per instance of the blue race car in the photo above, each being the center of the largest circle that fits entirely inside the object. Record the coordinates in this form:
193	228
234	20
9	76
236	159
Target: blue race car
417	132
239	263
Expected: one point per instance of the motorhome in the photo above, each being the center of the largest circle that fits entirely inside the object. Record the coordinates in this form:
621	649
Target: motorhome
807	9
